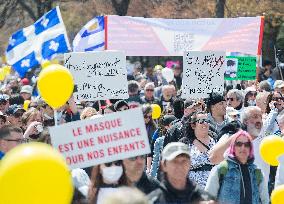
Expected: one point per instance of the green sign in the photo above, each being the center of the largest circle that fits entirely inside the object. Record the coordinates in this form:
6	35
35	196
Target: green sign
240	68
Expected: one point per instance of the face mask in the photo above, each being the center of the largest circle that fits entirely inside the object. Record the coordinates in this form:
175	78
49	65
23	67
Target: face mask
251	102
112	174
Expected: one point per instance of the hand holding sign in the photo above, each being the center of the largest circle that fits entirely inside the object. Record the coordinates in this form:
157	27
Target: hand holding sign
55	84
35	173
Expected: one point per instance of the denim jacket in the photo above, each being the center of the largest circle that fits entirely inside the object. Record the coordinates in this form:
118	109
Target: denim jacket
230	190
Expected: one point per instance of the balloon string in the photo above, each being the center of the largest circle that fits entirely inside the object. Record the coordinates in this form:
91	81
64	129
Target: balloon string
55	117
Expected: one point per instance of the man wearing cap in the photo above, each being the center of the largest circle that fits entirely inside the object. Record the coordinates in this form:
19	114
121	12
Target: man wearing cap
15	113
279	86
26	92
216	105
10	137
4	103
176	186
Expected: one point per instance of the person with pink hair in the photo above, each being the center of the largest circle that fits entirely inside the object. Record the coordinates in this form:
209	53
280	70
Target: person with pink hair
237	180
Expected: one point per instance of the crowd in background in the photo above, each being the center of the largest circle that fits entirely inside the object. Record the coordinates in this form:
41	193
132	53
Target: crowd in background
201	150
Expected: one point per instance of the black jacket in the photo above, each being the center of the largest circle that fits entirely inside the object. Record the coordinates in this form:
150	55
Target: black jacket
168	194
147	184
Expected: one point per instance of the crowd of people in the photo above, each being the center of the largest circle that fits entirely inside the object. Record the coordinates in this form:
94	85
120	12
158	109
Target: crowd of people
202	151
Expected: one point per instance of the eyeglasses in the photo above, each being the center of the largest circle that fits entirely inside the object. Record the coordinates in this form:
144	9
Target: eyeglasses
239	144
201	121
135	158
22	140
116	163
150	90
230	99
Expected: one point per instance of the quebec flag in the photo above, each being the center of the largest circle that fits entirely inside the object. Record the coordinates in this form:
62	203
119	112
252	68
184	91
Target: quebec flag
91	36
41	41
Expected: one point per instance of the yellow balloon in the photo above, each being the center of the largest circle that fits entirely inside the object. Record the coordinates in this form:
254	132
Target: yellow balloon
156	111
2	74
271	148
55	84
35	173
7	69
26	104
277	195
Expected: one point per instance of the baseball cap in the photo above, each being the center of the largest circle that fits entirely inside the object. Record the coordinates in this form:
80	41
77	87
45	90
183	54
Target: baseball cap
174	149
13	109
27	89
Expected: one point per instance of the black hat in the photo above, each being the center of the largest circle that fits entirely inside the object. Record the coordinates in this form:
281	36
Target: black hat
191	102
120	104
13	109
167	119
214	98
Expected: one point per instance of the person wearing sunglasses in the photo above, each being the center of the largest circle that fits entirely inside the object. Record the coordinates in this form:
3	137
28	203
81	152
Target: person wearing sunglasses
136	175
200	143
105	179
149	94
15	113
250	97
4	103
237	180
235	99
10	137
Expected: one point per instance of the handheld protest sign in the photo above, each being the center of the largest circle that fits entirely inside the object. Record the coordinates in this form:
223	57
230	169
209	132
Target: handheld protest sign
203	74
109	138
55	84
98	75
35	173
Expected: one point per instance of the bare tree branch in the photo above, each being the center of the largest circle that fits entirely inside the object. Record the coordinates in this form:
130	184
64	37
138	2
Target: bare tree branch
7	11
28	9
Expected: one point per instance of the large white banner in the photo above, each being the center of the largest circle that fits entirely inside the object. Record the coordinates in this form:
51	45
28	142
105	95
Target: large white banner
203	73
139	36
98	75
113	137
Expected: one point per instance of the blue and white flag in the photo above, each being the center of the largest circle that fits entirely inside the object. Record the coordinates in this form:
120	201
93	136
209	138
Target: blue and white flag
91	36
41	41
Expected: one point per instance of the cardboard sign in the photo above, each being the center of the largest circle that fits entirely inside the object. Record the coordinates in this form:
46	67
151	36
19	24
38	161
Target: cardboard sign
203	73
98	75
110	138
240	68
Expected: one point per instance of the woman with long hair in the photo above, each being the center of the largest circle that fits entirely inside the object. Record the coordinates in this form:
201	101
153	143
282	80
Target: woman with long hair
105	179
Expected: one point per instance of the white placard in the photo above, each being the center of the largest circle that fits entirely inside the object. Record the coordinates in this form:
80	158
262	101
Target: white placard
113	137
203	73
98	75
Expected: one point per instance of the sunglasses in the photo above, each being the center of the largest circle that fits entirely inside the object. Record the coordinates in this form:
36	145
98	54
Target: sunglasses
135	158
252	93
116	163
278	98
3	102
24	140
201	121
230	99
239	144
150	90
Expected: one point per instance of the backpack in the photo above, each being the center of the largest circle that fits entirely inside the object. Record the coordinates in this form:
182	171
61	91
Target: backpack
223	169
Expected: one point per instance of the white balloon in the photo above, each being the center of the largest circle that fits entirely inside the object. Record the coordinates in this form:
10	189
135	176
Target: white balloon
168	74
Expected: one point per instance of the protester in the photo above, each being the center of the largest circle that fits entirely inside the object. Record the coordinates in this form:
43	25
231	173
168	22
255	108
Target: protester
200	143
167	96
149	94
250	97
136	176
10	137
237	180
235	99
26	92
4	103
176	186
105	179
